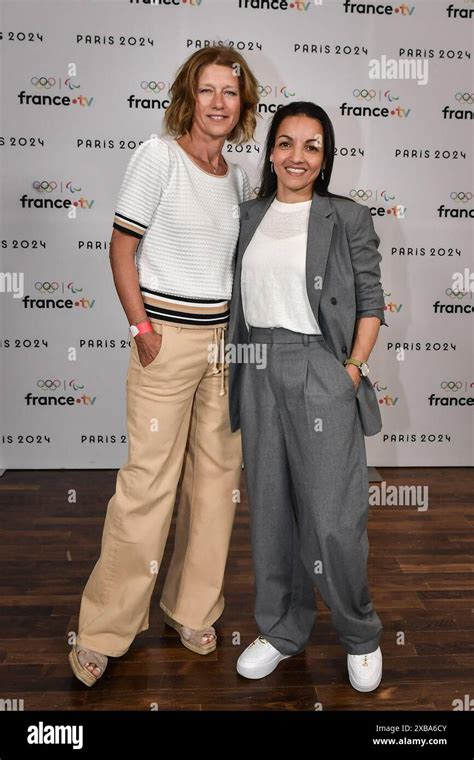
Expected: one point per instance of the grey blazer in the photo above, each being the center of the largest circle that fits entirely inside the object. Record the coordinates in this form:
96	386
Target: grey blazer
342	282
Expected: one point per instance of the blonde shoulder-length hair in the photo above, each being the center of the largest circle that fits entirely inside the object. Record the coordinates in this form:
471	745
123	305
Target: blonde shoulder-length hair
178	117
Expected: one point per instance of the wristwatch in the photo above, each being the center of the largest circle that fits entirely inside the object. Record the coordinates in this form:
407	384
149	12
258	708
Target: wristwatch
363	367
140	329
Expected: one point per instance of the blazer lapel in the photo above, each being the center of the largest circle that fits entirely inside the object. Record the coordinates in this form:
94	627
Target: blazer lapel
320	227
251	218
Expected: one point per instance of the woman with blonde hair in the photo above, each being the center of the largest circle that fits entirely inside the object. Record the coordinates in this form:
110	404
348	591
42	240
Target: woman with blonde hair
178	203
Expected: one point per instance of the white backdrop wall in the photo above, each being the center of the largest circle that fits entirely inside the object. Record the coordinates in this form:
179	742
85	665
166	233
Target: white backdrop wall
84	82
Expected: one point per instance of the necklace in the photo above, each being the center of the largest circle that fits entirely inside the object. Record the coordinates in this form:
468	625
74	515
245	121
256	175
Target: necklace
204	161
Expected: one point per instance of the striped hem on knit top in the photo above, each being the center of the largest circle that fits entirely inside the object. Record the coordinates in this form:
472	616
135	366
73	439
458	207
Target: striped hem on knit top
178	310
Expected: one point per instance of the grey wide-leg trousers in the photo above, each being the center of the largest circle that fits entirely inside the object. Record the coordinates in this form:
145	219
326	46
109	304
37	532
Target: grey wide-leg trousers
306	472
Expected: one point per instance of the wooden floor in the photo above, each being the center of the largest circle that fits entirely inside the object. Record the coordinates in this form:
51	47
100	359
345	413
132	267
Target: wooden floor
421	573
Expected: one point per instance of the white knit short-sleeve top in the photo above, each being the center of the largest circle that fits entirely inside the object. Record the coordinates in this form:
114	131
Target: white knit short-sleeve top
187	221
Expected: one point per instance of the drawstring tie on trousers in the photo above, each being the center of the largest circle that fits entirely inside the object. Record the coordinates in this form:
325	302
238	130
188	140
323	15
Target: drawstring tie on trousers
219	356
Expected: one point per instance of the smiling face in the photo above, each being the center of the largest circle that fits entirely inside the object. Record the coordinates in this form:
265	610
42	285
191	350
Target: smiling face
217	105
298	157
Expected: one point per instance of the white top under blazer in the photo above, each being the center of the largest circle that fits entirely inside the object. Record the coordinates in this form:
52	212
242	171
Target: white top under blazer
273	280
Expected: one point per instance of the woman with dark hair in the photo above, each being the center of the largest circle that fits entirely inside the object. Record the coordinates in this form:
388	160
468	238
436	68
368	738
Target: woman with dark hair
307	296
179	200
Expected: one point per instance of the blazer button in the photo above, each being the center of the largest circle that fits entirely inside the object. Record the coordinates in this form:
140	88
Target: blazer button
333	300
344	349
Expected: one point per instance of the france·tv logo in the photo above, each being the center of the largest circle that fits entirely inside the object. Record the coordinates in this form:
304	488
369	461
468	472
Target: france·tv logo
378	9
49	89
278	5
386	104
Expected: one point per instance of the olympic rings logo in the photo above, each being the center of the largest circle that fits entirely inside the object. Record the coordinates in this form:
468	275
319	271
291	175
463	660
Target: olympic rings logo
451	385
456	293
43	82
152	86
362	195
465	97
364	94
44	186
48	287
49	385
462	197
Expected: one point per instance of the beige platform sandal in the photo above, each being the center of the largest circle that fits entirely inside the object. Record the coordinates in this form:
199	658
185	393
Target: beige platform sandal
79	657
192	639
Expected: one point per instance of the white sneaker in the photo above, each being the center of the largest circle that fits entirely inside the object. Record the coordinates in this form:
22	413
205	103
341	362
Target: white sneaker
259	659
365	670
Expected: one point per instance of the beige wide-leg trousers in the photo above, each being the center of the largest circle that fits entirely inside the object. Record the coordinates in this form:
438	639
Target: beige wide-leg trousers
178	425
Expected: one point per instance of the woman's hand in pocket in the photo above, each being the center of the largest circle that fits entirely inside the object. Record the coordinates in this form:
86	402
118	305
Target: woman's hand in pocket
354	374
148	347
